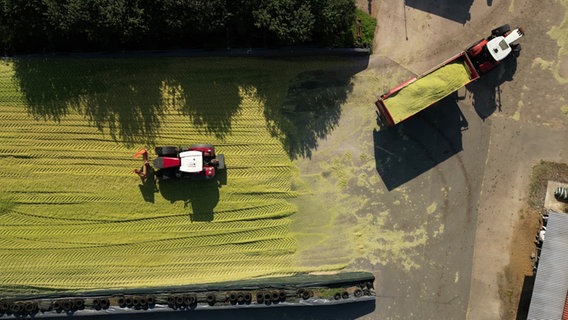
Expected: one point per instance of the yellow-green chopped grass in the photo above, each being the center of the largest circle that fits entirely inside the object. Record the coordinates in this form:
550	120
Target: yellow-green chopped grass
423	92
73	214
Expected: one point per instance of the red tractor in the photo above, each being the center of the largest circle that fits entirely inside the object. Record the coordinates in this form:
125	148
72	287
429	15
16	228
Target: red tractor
198	161
487	53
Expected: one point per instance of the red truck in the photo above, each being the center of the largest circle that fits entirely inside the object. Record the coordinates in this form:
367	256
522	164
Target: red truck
422	91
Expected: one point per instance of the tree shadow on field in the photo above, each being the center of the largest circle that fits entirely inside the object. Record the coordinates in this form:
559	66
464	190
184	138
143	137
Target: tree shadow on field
420	143
128	98
457	10
486	91
121	97
210	100
310	106
202	195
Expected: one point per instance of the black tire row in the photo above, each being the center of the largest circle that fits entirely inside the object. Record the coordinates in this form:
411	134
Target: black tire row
68	305
305	293
101	303
19	308
180	301
271	296
136	302
239	297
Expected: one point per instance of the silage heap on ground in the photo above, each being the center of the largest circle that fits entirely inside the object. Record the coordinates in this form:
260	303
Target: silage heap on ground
75	217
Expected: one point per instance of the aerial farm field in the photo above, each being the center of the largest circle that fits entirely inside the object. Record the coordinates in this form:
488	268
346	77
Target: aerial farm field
76	217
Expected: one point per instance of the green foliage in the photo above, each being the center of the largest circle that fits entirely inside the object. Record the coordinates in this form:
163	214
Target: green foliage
290	20
368	25
333	21
63	25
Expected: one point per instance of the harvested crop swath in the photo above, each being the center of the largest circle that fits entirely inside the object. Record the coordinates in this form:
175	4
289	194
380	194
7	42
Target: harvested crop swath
75	216
425	91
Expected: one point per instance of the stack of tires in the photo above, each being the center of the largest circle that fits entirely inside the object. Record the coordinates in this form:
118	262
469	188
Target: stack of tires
182	301
271	296
68	305
137	302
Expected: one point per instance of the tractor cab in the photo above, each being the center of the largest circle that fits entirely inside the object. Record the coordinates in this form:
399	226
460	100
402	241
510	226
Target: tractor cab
500	47
191	161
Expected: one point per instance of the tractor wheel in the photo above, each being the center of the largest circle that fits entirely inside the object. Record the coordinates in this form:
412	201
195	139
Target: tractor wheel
358	293
221	161
104	303
166	151
337	296
96	304
501	30
345	295
199	146
516	49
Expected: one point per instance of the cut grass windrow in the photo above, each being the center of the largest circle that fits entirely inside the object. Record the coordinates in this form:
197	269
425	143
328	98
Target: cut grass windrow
77	218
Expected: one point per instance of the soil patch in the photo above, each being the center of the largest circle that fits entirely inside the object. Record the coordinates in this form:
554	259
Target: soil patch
515	283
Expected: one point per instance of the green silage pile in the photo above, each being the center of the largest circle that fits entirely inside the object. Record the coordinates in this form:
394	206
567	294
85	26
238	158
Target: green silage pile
427	90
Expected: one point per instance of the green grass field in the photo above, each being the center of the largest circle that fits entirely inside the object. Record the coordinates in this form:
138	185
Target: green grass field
75	217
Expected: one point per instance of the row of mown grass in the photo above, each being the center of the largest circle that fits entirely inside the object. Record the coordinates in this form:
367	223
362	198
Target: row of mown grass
75	217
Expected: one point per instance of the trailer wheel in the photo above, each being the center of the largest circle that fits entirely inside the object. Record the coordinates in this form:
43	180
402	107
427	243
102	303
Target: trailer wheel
501	30
282	295
337	296
259	297
345	294
166	151
306	295
358	293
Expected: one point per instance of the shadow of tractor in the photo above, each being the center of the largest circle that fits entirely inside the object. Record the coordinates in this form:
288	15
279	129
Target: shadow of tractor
202	196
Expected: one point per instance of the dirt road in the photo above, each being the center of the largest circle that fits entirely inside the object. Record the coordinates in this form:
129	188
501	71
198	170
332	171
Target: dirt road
514	119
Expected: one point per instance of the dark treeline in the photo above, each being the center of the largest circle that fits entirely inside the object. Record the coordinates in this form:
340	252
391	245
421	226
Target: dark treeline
91	25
